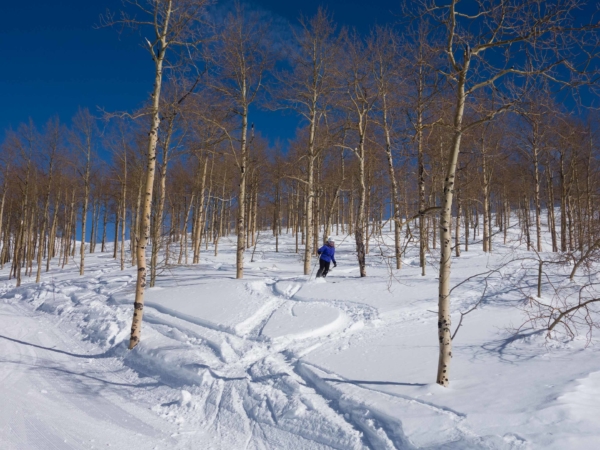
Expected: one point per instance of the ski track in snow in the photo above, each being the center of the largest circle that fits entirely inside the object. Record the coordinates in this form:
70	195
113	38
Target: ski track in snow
205	381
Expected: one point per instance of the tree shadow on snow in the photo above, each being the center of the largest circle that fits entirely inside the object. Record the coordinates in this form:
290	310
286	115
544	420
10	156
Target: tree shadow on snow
53	367
381	383
107	354
508	353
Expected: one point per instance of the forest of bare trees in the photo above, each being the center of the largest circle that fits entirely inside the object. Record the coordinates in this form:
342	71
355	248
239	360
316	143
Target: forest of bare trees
449	129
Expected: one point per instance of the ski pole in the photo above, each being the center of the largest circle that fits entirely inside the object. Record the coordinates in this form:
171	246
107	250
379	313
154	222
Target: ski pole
313	270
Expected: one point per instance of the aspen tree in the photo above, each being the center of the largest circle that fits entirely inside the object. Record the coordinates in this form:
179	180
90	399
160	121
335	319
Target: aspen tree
483	52
308	90
335	198
240	57
83	137
174	23
168	121
4	231
53	142
485	149
385	51
420	109
201	172
533	134
361	95
23	143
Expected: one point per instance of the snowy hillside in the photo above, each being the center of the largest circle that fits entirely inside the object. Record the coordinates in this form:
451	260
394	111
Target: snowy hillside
277	361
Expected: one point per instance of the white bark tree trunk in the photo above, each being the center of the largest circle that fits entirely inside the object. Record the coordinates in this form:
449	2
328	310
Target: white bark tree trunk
444	319
138	305
241	222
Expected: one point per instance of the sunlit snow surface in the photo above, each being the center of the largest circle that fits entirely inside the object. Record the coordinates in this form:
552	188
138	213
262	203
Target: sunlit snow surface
281	361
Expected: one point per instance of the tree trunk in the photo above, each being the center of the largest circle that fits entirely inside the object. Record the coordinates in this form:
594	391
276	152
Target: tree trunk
93	230
457	228
52	237
123	223
43	227
550	207
104	222
84	212
157	224
563	205
241	221
395	196
200	215
117	222
138	305
536	194
359	228
444	318
486	200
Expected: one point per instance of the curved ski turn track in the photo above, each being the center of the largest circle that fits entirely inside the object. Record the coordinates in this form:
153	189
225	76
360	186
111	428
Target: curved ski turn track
278	361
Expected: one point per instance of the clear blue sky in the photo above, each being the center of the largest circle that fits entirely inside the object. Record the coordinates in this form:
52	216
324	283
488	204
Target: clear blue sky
53	60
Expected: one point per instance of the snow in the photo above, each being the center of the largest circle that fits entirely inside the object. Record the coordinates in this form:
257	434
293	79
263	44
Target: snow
279	360
236	307
302	321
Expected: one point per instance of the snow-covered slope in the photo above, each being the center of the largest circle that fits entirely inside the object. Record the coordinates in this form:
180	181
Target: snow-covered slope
281	361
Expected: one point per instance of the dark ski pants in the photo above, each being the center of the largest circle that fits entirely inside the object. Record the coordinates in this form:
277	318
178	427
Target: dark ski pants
323	268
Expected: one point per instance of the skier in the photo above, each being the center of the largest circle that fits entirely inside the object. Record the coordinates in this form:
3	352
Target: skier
327	253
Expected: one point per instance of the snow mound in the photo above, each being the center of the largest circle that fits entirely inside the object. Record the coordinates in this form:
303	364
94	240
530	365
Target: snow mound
305	320
575	408
234	307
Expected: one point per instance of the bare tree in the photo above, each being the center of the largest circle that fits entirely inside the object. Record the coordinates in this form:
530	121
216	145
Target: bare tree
385	50
423	109
170	139
23	147
491	47
239	59
53	145
308	89
534	128
360	96
83	138
172	23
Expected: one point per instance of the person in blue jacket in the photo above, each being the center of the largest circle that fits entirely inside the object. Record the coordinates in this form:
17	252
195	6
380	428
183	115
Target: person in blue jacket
327	253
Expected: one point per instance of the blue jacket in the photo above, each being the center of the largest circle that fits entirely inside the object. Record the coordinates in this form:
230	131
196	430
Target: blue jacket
327	253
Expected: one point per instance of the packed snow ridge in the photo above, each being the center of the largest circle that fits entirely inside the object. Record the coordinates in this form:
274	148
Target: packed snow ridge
283	361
